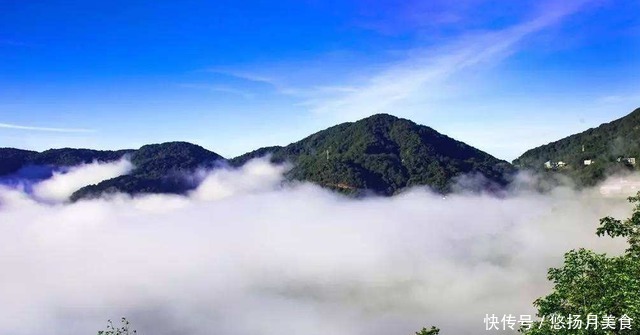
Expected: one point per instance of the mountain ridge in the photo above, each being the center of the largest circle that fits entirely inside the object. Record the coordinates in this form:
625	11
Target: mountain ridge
591	155
380	154
158	168
13	159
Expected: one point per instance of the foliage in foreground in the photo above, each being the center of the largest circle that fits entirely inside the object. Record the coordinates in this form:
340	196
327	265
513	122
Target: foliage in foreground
432	331
124	329
596	284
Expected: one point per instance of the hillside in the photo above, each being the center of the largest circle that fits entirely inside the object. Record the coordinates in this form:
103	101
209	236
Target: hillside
159	168
12	160
383	154
588	157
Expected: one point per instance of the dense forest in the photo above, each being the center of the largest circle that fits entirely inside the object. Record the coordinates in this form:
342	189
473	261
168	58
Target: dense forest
384	154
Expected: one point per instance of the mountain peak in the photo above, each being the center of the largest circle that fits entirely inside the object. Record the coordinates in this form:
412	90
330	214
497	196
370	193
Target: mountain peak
381	117
384	120
163	157
384	154
159	168
171	144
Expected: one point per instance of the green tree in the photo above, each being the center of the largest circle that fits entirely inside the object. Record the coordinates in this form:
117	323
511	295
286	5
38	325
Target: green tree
432	331
124	329
597	284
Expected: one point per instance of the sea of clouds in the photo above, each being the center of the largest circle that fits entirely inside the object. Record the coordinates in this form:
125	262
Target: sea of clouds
245	253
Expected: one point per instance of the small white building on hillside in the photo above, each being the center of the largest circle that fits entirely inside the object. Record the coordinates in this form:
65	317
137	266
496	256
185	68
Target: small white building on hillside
554	165
627	160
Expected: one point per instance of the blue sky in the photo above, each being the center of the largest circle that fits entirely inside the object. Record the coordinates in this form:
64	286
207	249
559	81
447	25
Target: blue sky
233	76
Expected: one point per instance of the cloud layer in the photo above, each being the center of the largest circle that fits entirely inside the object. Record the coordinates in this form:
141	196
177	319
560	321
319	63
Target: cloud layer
62	184
245	255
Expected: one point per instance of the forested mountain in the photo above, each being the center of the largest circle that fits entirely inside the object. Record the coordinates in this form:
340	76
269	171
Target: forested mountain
588	157
159	168
383	154
12	160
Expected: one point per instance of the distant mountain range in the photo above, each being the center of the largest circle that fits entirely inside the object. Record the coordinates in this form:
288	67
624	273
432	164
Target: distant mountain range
381	154
12	160
588	157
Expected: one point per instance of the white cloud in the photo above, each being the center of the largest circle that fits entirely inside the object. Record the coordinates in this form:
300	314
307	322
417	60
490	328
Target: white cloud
255	176
48	129
62	184
247	256
410	85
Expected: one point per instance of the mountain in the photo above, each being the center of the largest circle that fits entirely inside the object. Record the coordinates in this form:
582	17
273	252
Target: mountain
71	157
159	168
12	160
383	154
588	157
